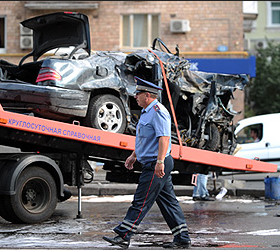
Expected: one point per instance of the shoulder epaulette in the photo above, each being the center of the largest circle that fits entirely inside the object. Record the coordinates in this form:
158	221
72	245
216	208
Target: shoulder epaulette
156	108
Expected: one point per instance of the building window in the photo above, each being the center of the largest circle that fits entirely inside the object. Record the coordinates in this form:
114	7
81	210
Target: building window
273	13
2	34
139	30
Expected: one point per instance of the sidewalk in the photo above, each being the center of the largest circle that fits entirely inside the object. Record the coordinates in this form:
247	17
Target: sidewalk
236	185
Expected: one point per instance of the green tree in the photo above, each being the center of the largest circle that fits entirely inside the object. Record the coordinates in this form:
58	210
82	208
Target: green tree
264	90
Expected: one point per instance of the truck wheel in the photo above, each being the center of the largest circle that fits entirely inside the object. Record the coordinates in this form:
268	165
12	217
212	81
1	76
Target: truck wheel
107	113
35	199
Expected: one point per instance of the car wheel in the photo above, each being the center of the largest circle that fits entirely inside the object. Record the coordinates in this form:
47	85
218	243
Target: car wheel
35	198
107	113
213	135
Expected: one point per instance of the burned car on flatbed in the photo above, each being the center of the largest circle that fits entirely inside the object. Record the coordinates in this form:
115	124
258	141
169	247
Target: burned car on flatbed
97	88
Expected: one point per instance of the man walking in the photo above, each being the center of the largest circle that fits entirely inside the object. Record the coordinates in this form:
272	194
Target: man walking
152	150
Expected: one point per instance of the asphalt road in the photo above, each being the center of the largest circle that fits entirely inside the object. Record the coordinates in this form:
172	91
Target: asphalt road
233	222
243	221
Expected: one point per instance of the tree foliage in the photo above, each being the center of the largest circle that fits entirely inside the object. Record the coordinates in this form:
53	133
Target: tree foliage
264	90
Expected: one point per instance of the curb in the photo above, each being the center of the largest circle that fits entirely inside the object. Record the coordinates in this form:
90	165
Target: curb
101	187
109	189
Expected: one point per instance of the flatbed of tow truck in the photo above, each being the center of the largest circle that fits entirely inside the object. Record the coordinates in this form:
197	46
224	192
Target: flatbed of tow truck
44	135
56	153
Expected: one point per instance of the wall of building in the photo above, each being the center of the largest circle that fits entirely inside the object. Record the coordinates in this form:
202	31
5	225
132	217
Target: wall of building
211	24
261	29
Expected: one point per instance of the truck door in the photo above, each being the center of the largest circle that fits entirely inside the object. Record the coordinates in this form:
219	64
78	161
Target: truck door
251	138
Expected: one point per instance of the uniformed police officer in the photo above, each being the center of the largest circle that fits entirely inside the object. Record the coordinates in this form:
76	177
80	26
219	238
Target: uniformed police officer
152	150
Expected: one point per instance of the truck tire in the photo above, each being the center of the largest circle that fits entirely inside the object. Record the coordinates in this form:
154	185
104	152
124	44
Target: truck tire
107	113
35	199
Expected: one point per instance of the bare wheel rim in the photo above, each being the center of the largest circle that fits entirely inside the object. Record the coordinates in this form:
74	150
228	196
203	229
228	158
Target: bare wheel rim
109	117
36	195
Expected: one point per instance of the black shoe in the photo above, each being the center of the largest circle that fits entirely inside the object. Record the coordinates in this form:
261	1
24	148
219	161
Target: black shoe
196	198
207	198
178	244
118	241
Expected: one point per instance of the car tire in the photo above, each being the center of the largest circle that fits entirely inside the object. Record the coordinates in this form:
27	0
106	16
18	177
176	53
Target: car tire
213	132
35	197
107	113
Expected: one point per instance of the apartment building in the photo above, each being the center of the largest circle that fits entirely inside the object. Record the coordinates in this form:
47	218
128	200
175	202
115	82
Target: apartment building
264	27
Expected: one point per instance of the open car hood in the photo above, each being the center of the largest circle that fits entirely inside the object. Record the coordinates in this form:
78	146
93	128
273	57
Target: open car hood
61	29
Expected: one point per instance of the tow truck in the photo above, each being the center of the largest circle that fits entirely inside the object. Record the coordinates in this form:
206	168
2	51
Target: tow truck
54	154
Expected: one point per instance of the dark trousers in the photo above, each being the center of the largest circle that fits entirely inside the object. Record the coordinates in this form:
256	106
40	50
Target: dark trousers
151	189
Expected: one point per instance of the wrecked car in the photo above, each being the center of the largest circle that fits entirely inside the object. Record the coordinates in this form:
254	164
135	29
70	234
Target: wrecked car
97	88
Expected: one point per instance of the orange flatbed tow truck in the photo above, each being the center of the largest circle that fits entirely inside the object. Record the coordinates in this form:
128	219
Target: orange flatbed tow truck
53	154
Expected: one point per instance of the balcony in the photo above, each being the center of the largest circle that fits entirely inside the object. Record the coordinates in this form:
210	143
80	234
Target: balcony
250	13
61	5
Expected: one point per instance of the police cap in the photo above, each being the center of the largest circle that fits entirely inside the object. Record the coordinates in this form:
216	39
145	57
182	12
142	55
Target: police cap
145	86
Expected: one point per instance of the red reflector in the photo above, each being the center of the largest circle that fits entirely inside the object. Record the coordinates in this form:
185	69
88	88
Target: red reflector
4	121
48	74
123	143
249	166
